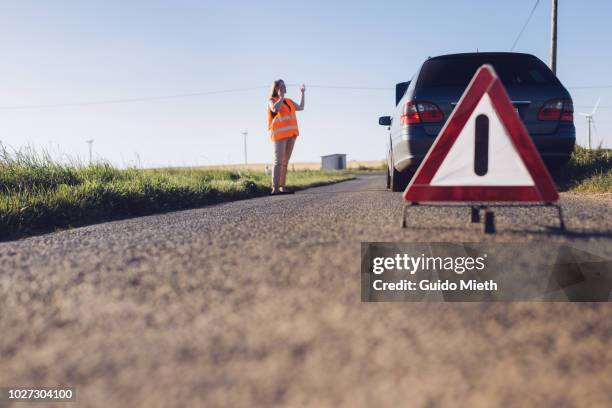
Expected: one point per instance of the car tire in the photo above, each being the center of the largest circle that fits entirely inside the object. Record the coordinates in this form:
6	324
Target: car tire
399	180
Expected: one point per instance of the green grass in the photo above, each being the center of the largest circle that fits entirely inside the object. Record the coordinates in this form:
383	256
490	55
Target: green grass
587	171
38	194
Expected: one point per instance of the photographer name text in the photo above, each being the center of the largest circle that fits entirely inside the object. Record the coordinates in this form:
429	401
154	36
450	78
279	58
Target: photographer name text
427	285
413	264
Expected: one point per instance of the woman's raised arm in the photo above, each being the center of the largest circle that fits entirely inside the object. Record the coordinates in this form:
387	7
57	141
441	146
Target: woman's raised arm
301	105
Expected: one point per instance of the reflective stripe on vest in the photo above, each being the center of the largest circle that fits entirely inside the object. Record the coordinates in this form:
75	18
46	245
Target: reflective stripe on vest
283	118
283	129
284	124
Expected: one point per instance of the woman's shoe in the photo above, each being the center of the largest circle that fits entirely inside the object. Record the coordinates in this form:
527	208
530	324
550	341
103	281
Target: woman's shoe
286	192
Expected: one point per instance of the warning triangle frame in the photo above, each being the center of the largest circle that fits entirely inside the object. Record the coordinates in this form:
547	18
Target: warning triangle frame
484	81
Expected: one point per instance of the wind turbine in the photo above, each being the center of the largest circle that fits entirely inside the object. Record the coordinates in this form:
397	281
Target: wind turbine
590	119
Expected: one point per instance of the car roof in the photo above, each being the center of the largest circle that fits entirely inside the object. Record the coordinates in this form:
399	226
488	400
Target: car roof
481	54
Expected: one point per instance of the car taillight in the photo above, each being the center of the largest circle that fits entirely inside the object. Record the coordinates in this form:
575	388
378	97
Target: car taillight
568	111
557	109
420	112
410	114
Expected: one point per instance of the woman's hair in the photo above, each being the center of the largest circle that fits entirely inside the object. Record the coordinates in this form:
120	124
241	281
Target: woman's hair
273	91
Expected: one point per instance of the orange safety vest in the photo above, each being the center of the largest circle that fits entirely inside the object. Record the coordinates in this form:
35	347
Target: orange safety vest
283	123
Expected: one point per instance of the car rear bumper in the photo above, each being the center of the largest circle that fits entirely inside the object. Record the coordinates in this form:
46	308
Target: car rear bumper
556	149
411	147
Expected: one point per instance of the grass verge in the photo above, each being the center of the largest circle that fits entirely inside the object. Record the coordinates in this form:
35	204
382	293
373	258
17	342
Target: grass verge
39	195
588	171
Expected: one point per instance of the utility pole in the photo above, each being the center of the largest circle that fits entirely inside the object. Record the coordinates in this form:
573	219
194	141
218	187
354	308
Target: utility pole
90	142
245	133
553	38
589	119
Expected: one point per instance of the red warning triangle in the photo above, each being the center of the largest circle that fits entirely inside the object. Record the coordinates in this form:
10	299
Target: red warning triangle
483	152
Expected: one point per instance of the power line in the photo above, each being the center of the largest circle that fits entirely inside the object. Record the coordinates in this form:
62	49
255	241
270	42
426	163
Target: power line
525	25
590	87
176	96
363	88
217	92
129	100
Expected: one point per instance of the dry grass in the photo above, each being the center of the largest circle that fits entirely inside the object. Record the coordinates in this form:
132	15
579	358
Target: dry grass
589	171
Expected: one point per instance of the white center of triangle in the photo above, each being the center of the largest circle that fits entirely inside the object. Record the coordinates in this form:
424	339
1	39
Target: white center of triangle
505	165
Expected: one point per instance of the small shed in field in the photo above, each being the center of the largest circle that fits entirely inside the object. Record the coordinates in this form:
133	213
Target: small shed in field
333	162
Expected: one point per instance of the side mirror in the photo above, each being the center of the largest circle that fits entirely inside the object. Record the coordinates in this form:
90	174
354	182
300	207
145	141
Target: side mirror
384	121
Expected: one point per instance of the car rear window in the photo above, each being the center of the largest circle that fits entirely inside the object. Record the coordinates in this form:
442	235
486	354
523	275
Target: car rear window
512	69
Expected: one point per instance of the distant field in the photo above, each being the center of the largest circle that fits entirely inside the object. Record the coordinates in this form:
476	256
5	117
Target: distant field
298	166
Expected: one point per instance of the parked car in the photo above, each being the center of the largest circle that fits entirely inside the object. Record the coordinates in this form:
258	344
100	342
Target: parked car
424	103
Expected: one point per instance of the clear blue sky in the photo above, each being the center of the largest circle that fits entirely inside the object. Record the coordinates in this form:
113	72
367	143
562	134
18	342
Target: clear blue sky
73	51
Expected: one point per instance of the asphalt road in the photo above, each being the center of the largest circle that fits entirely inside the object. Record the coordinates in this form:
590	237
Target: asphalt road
257	303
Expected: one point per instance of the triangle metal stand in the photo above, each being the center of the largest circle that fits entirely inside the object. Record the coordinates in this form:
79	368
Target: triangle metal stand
489	215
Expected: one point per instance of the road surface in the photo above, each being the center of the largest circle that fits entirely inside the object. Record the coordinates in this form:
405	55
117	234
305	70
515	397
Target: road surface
257	303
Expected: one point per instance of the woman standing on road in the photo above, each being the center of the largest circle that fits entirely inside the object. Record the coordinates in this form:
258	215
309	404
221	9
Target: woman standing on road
282	123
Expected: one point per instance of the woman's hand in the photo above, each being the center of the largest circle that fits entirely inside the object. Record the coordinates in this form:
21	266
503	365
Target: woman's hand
301	105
